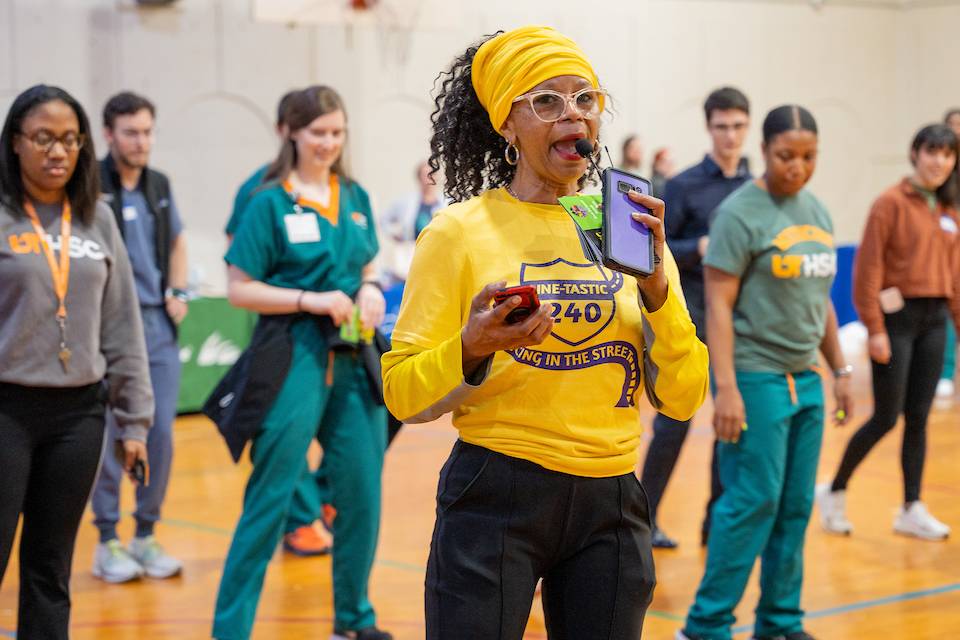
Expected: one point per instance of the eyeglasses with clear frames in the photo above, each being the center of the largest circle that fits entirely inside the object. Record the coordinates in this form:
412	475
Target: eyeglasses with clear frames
43	140
550	106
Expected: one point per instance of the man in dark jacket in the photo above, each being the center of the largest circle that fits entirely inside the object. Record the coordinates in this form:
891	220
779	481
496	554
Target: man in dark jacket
691	198
150	224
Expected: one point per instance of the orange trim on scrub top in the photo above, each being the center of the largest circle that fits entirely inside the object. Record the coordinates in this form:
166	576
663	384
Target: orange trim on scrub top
330	212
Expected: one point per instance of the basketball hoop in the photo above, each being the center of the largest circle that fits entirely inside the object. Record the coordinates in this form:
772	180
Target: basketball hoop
395	22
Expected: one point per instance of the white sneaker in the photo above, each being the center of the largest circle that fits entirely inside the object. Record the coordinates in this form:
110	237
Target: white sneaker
945	388
112	563
917	521
156	562
833	510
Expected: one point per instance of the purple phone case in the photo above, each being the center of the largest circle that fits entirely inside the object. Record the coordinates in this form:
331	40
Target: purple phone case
627	244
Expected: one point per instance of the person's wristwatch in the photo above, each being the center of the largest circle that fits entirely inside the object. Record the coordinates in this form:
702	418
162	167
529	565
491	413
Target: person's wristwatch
843	372
180	294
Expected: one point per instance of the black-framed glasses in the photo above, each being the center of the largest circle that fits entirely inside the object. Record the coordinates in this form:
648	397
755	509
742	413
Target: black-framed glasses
550	106
44	140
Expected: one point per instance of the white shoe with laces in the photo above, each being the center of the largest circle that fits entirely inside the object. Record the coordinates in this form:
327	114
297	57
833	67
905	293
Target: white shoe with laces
833	510
916	521
156	562
112	563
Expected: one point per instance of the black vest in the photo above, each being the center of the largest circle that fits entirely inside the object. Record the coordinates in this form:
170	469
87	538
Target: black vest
156	190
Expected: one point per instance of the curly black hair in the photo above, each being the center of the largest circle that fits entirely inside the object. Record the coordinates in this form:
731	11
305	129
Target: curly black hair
464	143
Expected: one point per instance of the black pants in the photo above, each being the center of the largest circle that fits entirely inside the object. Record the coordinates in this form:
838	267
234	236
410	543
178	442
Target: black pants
662	454
503	523
907	385
50	442
669	435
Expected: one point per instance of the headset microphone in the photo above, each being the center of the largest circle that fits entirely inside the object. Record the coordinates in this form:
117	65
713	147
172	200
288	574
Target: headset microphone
585	149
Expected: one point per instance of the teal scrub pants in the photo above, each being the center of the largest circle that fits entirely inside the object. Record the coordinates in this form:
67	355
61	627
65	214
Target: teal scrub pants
950	355
336	407
311	494
768	479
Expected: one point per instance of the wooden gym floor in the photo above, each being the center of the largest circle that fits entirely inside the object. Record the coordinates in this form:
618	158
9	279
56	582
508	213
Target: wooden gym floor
873	584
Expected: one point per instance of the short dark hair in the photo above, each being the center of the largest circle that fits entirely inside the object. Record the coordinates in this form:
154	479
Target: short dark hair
934	137
83	188
789	117
725	99
125	103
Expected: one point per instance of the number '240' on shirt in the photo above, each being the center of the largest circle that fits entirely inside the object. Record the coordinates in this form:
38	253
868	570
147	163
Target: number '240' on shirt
568	404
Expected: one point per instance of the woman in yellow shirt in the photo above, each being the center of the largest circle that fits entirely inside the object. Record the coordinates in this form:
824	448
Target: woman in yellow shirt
540	483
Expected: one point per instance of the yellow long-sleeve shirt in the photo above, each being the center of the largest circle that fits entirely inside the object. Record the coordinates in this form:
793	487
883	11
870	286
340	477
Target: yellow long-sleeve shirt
568	404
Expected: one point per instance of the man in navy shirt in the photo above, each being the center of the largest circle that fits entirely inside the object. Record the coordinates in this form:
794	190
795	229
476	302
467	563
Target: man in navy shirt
152	232
691	197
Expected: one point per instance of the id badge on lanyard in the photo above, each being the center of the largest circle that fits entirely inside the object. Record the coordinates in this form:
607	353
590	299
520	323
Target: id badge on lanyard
301	227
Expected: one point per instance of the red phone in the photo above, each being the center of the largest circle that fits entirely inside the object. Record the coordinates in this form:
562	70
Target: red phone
529	302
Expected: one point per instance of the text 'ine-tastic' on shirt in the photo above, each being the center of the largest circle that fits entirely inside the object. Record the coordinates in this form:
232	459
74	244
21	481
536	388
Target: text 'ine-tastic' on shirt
104	331
290	242
568	404
783	252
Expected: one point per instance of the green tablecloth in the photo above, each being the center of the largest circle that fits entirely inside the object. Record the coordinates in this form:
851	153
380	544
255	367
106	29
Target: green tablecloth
212	337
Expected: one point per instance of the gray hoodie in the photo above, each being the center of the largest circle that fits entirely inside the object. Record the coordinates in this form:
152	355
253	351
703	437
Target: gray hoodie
104	330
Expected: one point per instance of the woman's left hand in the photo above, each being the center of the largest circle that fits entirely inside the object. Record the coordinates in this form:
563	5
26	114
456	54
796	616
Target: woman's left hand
844	397
372	306
653	288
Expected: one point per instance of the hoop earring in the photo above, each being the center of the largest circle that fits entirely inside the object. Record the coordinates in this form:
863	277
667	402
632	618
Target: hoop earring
516	154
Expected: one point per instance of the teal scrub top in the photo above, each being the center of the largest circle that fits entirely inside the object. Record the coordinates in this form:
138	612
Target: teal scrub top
296	244
242	199
783	252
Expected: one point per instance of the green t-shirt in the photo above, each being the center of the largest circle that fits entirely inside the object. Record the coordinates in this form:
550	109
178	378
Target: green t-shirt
782	250
295	245
242	199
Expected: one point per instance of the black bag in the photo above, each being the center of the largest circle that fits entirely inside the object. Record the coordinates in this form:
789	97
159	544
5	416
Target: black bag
242	398
369	355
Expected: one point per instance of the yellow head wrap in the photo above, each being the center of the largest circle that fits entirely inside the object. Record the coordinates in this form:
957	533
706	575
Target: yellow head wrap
514	62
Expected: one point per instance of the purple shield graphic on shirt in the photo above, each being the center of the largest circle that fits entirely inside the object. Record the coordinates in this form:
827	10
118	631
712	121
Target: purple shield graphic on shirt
581	296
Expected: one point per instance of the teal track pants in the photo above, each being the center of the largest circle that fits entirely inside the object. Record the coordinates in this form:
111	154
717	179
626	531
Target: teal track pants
768	479
336	407
950	355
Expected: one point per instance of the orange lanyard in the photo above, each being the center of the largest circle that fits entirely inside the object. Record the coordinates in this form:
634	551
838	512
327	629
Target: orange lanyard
60	273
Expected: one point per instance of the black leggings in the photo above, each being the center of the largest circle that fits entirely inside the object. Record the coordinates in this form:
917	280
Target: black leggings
504	522
907	385
51	440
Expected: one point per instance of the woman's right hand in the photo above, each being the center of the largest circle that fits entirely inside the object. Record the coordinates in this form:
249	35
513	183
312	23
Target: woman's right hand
335	304
729	415
879	348
488	332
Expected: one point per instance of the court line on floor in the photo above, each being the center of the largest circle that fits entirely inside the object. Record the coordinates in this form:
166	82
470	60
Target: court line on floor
812	615
664	615
868	604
